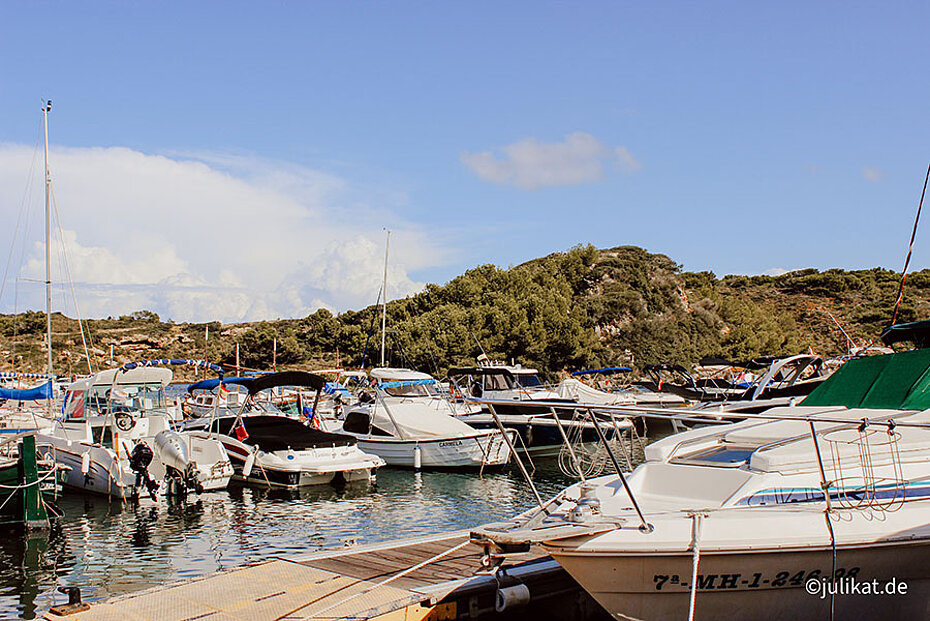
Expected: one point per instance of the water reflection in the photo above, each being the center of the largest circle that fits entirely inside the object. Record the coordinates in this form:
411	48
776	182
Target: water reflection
112	548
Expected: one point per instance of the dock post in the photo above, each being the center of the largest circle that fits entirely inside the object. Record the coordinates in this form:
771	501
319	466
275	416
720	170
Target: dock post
34	514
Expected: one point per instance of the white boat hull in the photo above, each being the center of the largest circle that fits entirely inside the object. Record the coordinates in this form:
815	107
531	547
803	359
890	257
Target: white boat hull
105	474
757	585
294	469
475	451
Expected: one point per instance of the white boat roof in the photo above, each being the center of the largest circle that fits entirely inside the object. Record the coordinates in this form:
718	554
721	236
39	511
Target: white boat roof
398	375
571	388
420	420
785	446
138	375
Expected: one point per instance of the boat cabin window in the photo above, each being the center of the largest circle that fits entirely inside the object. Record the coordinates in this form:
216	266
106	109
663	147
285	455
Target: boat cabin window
527	381
719	456
103	436
497	382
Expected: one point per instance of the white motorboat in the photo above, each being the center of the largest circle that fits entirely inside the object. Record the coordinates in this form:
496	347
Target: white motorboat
515	398
115	438
598	386
781	515
406	421
279	451
201	401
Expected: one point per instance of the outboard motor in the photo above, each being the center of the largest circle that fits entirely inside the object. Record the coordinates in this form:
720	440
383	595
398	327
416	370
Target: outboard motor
180	472
139	460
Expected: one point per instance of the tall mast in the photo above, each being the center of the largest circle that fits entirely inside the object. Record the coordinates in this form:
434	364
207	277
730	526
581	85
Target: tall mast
48	261
387	244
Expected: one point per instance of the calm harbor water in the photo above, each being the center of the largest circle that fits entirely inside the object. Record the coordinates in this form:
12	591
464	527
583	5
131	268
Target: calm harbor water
111	548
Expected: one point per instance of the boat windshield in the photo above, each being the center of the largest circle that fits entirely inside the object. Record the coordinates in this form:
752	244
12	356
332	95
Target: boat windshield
720	456
526	380
409	389
138	397
497	382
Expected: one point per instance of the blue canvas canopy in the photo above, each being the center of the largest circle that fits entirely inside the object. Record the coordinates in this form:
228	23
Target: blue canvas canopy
210	384
332	388
401	383
27	394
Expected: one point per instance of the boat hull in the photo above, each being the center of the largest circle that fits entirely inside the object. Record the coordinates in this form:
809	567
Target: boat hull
759	584
105	474
270	470
476	451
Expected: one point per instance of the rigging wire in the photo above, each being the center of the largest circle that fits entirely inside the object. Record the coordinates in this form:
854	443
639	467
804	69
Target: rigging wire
910	249
21	222
371	328
77	310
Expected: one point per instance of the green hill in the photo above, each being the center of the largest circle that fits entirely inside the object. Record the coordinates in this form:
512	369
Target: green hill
566	311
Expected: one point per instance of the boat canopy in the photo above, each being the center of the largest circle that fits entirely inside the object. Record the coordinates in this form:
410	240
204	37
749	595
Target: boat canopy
899	381
134	376
210	384
917	332
285	378
398	375
279	433
605	370
421	421
571	389
27	394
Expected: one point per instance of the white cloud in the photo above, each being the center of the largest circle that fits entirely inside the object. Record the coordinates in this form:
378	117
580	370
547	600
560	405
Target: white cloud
872	174
775	271
203	237
531	164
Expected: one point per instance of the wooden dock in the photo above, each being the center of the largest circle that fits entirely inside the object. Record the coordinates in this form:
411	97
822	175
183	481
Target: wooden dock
427	578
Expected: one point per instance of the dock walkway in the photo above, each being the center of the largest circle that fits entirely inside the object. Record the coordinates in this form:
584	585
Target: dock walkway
433	577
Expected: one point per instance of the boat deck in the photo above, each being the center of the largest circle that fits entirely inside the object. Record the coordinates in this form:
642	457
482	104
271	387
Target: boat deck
432	577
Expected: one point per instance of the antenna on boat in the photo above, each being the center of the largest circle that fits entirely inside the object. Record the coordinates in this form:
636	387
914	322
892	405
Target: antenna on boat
910	249
387	244
48	269
484	353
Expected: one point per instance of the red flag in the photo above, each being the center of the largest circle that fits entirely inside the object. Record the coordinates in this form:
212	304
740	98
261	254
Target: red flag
241	433
224	390
77	408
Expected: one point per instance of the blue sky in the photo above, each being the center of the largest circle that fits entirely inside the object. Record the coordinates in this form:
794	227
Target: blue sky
239	160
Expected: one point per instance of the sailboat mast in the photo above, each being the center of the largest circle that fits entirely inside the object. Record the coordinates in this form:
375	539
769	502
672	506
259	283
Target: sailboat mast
387	244
48	260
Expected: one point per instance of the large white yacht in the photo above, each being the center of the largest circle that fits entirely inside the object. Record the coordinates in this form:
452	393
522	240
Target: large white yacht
777	516
406	421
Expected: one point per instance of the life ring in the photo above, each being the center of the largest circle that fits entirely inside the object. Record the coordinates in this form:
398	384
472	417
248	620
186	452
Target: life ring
125	421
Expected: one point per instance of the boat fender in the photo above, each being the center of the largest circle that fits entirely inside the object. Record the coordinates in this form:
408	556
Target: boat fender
85	463
417	457
512	598
249	464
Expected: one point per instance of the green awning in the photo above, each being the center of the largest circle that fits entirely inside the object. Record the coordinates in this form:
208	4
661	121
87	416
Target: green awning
899	381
